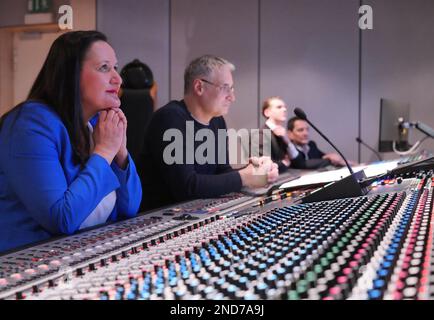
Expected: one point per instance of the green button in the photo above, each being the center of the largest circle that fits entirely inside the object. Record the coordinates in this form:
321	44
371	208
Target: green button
330	256
293	295
325	263
301	289
302	284
311	276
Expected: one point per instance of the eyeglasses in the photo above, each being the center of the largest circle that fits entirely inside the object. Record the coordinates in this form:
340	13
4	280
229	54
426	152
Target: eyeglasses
223	87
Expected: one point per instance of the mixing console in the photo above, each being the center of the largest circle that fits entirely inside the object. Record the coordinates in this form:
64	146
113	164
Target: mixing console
42	264
377	246
201	206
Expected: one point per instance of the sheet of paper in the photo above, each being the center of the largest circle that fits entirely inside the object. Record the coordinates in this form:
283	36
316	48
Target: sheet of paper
335	175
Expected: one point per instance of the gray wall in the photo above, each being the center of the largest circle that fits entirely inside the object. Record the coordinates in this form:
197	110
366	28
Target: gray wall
309	57
306	51
226	28
398	63
303	50
12	11
139	29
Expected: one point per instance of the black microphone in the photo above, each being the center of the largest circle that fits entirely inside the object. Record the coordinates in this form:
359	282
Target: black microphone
347	187
300	113
370	148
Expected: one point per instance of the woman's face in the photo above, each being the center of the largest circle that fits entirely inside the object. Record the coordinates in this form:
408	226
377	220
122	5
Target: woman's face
99	80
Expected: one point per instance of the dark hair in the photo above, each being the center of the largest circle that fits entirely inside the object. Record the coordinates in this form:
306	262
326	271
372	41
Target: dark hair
291	123
137	75
58	85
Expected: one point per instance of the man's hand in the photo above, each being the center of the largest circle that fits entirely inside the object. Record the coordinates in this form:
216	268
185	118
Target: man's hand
286	161
335	159
281	132
259	172
273	173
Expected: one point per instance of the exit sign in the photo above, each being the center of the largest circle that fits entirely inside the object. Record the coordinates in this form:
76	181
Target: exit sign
34	6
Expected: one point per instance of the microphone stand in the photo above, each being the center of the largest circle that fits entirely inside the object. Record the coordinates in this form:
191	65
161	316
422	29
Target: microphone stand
334	147
370	148
347	187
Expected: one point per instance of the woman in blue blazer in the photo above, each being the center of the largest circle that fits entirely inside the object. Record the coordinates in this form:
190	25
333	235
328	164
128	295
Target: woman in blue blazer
58	172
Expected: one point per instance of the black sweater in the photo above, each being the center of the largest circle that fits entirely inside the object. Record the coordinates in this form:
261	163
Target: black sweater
163	183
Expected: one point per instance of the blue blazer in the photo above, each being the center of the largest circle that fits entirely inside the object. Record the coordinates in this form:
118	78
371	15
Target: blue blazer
42	192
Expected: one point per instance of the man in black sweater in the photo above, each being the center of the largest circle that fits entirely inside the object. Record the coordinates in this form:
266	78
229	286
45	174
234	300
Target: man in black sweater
185	153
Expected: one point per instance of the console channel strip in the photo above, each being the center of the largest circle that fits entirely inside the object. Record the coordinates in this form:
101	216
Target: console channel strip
43	265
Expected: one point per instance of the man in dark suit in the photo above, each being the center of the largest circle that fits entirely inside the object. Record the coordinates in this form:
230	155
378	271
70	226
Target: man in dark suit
298	133
283	152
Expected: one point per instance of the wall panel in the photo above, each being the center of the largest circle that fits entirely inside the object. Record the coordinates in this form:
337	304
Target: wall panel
225	28
139	29
309	57
398	63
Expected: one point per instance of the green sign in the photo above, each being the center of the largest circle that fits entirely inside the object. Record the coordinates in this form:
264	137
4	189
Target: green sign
35	6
